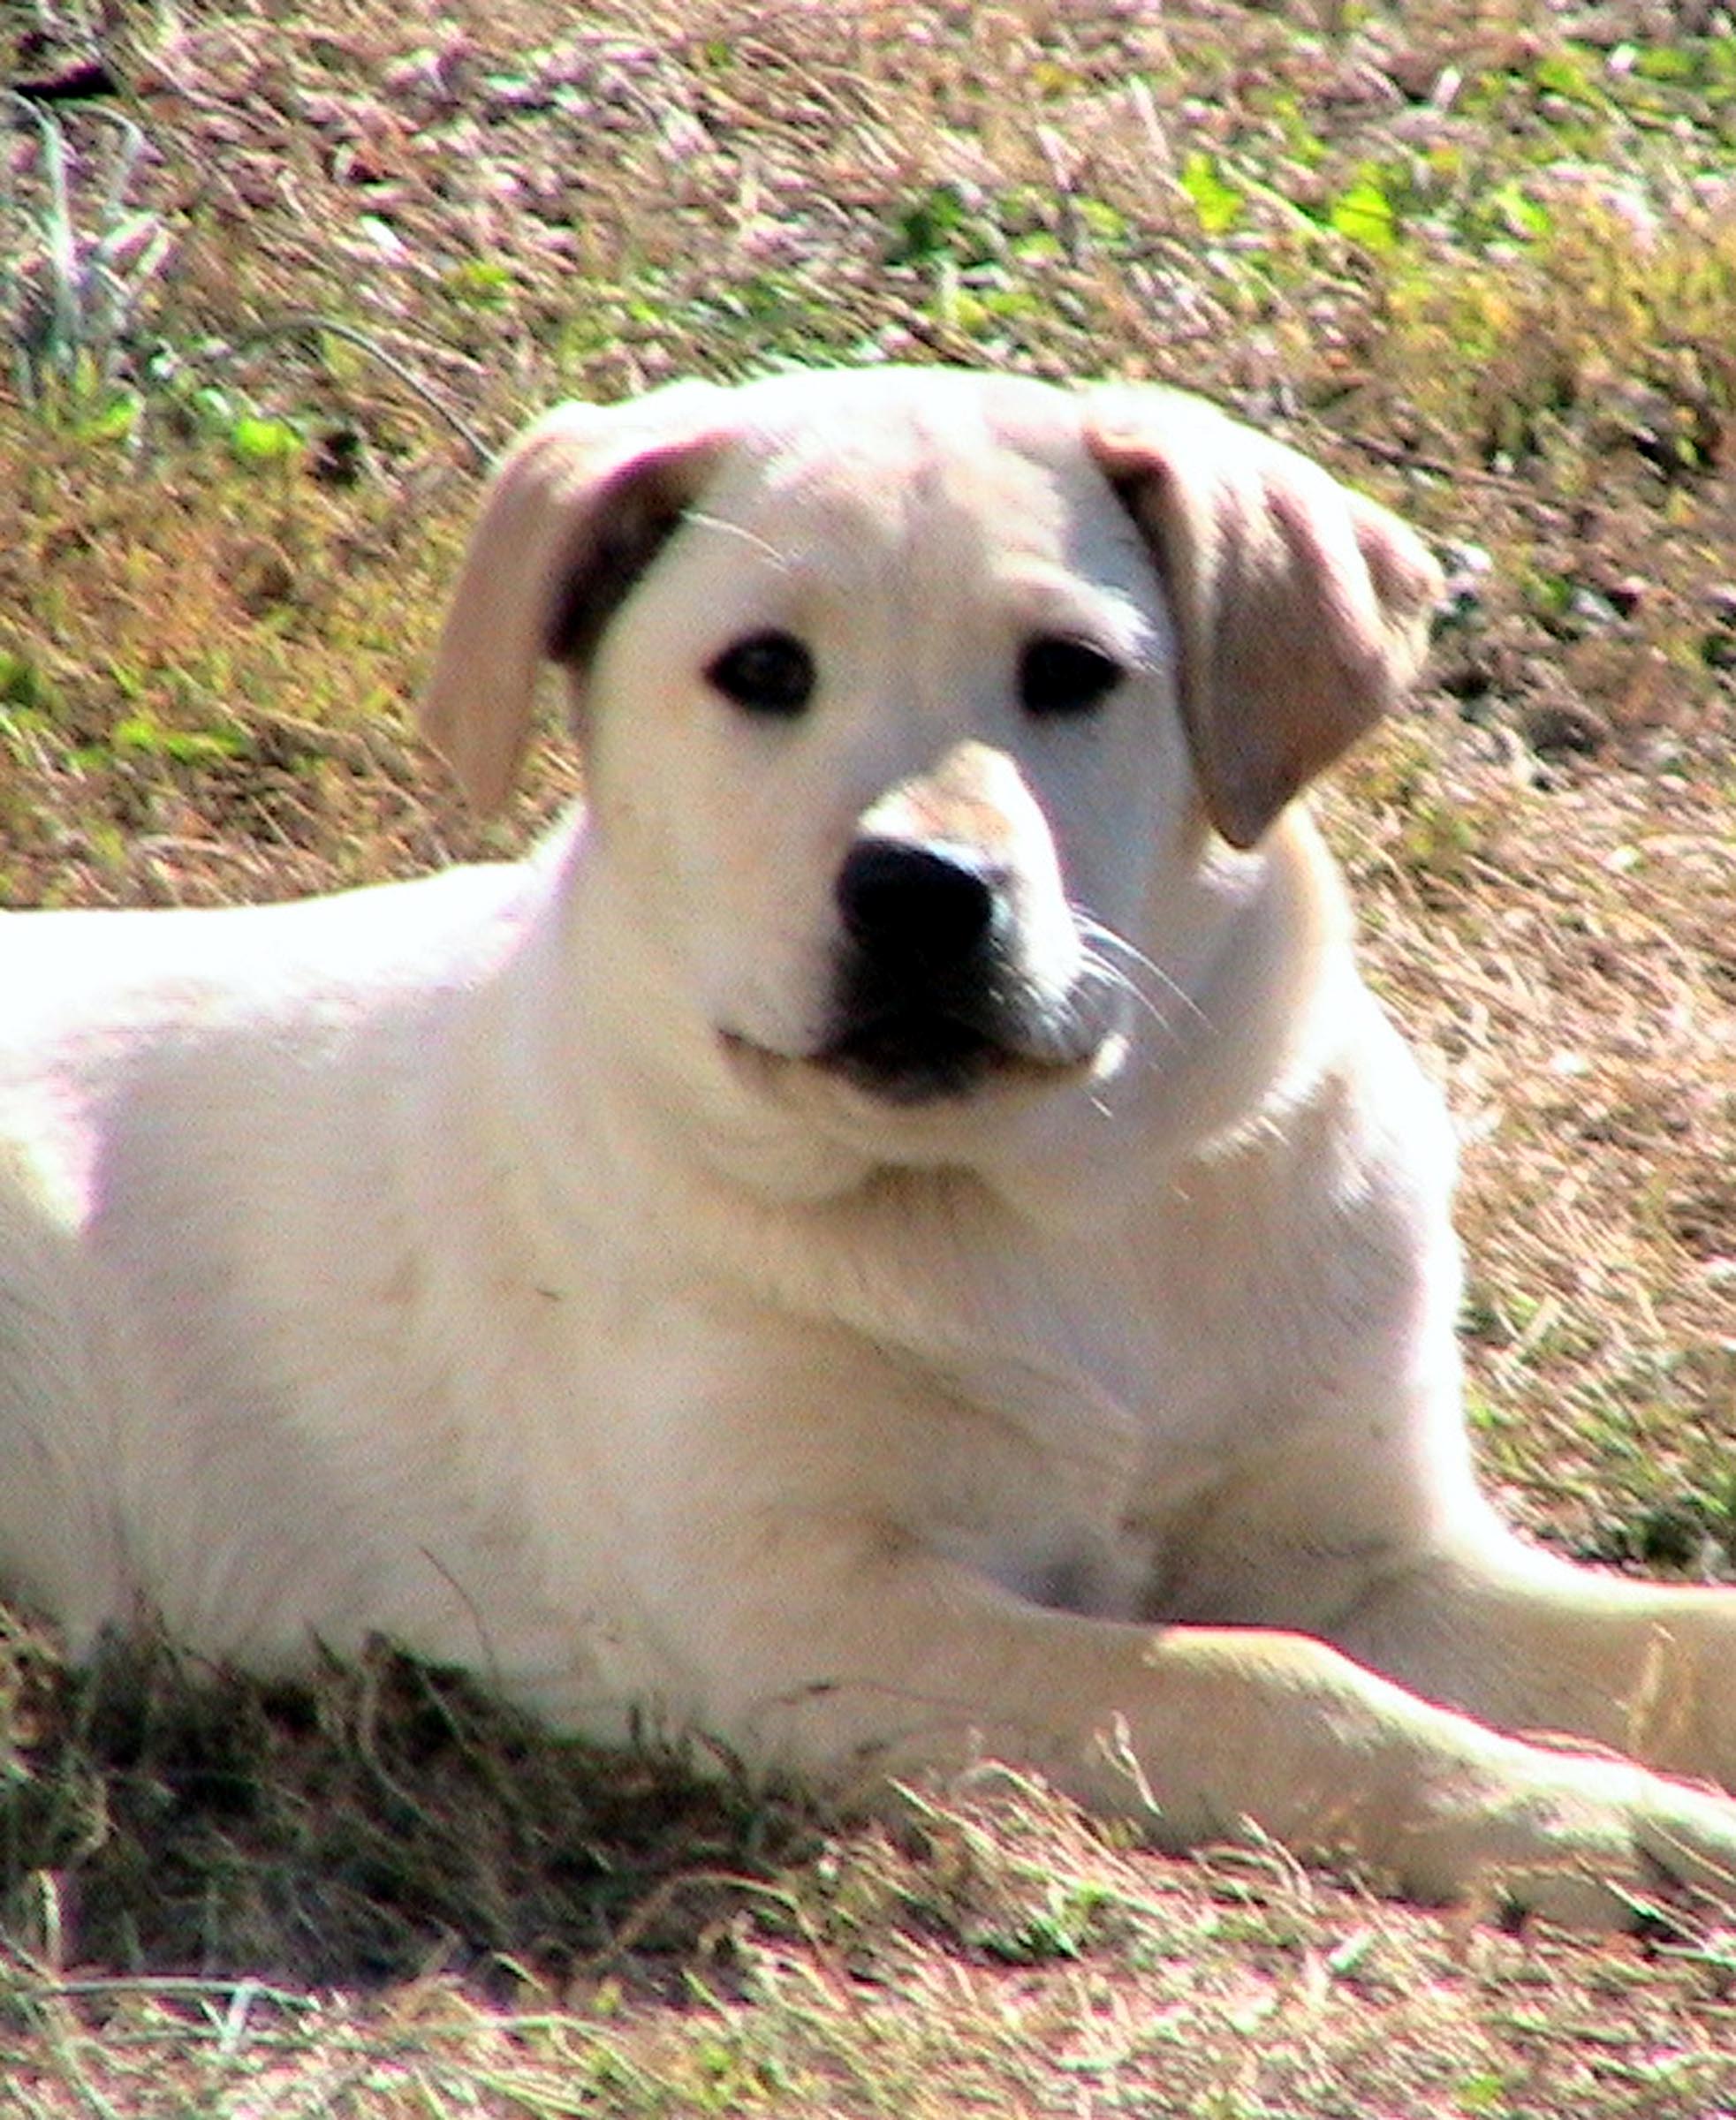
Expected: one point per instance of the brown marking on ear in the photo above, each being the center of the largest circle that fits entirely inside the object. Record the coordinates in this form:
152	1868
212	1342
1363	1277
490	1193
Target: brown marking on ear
580	507
633	516
1302	608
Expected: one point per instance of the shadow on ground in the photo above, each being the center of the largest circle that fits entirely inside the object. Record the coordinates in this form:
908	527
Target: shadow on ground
380	1822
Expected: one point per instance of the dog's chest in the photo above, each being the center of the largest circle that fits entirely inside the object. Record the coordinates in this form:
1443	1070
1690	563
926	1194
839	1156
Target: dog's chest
1168	1389
1085	1416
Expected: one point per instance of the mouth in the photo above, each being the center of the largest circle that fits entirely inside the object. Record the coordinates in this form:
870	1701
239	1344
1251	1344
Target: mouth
916	1056
910	1058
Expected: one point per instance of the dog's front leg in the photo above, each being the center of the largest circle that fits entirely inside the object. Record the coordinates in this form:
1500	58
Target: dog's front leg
1530	1643
858	1658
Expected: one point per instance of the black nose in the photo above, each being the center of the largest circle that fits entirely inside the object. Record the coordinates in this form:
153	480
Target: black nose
916	909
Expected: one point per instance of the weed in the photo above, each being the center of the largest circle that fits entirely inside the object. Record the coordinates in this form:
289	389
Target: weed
76	262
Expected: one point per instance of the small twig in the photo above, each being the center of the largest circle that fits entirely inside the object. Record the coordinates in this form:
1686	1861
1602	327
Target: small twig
1403	458
663	1895
302	323
174	1987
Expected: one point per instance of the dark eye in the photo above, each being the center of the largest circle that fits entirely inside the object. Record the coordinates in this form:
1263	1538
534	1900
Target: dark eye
767	673
1058	677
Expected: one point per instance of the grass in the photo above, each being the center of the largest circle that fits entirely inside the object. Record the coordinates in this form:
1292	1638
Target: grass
398	1900
264	305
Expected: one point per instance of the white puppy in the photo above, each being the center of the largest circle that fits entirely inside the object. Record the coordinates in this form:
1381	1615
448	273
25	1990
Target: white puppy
898	1231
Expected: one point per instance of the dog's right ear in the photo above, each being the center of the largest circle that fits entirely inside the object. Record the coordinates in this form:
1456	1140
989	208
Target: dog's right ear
579	508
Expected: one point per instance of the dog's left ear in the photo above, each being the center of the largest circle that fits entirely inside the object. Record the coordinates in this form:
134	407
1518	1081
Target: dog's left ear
579	508
1302	607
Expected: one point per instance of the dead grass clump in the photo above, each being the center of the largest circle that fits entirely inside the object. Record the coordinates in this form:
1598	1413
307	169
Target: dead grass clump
366	1828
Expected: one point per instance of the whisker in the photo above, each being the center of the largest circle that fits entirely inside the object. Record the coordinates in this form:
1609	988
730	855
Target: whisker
1119	982
750	538
1092	930
1137	975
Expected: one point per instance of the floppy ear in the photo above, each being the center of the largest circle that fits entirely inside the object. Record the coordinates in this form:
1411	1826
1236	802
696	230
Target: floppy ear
579	508
1302	608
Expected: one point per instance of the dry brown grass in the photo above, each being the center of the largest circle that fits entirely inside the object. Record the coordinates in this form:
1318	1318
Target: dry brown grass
1485	263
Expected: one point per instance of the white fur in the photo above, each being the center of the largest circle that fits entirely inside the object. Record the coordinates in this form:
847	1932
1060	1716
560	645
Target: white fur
488	1261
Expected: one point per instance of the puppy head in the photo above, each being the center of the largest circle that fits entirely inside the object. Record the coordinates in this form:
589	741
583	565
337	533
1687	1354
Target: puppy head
879	677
